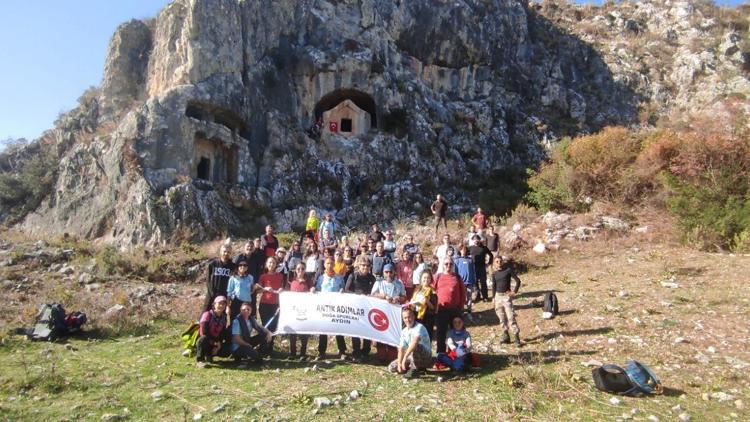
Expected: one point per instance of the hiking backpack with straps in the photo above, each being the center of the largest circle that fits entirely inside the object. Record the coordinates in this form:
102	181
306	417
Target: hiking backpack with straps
550	308
50	323
635	379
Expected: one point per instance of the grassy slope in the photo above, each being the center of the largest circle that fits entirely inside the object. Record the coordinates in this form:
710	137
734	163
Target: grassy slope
545	381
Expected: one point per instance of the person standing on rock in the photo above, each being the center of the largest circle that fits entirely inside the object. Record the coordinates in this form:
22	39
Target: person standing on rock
504	299
268	242
219	271
451	294
479	220
481	256
328	224
493	240
375	234
439	209
311	226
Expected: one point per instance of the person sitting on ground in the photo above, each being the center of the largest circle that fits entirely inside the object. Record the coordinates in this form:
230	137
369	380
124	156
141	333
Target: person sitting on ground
245	345
379	260
212	333
268	242
219	271
414	349
466	270
479	221
241	289
424	302
271	283
312	225
389	244
409	245
504	299
375	234
299	284
458	357
360	282
404	271
329	282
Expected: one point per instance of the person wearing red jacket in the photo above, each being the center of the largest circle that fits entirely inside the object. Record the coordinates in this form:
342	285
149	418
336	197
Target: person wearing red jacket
451	296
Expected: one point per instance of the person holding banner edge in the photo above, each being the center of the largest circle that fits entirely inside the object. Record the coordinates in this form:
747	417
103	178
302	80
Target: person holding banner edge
331	283
414	349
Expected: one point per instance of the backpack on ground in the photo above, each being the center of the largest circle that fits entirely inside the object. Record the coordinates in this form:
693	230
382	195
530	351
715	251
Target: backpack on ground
50	323
550	307
74	321
635	379
189	338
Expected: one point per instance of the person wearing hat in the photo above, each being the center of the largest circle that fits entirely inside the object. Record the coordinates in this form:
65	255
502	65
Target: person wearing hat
241	288
389	287
281	264
212	333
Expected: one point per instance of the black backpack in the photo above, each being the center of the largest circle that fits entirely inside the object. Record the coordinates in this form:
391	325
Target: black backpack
635	379
550	304
50	323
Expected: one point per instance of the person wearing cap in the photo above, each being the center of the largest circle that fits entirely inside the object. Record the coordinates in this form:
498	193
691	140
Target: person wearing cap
245	344
389	287
329	282
241	288
360	282
212	332
281	267
219	271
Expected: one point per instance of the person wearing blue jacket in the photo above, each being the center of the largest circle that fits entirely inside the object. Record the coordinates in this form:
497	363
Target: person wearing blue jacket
466	270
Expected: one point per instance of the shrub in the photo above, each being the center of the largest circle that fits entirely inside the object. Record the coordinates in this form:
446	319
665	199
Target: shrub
23	191
551	186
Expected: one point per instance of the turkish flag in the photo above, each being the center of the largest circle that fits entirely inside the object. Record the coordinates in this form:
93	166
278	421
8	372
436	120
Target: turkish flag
333	127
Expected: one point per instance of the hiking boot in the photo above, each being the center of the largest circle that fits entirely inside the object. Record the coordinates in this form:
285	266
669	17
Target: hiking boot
506	338
518	341
200	364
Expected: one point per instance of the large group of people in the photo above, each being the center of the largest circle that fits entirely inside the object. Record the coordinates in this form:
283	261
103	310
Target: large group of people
437	290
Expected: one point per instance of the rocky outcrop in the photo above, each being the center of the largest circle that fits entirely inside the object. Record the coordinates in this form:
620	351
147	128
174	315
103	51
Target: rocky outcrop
206	118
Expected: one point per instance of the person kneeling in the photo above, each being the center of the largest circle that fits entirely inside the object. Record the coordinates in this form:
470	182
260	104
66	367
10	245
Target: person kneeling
414	349
212	333
244	344
459	356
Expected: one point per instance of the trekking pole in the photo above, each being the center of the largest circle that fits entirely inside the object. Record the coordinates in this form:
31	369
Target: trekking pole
270	321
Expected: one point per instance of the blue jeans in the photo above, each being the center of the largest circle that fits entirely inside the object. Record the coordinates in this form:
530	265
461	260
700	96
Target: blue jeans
456	364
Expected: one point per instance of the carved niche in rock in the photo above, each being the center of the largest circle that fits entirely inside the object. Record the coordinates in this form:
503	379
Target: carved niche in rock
347	119
214	161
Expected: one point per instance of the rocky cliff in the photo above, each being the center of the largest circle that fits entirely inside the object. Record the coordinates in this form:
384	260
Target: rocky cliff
210	117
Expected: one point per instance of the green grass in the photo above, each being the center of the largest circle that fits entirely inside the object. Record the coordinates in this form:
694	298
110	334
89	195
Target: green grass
49	381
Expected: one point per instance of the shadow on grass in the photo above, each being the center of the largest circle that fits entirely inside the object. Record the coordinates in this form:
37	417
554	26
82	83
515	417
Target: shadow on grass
571	333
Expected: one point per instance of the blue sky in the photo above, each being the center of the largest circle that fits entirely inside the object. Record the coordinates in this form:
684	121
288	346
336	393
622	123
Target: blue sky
52	50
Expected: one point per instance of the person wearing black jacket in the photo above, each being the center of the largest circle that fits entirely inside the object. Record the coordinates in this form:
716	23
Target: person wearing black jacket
493	239
219	271
360	282
504	298
439	209
480	253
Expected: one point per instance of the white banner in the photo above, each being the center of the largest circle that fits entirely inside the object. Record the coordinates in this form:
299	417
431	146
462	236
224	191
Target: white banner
339	313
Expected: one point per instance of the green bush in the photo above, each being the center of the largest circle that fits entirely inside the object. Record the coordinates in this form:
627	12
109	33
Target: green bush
551	187
23	191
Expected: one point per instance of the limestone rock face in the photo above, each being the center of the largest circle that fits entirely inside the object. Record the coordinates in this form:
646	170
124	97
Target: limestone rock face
209	118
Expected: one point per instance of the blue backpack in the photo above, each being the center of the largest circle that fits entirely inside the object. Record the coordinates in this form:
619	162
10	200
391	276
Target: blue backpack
635	379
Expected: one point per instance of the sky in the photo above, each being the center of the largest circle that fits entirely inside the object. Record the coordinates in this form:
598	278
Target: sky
52	50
